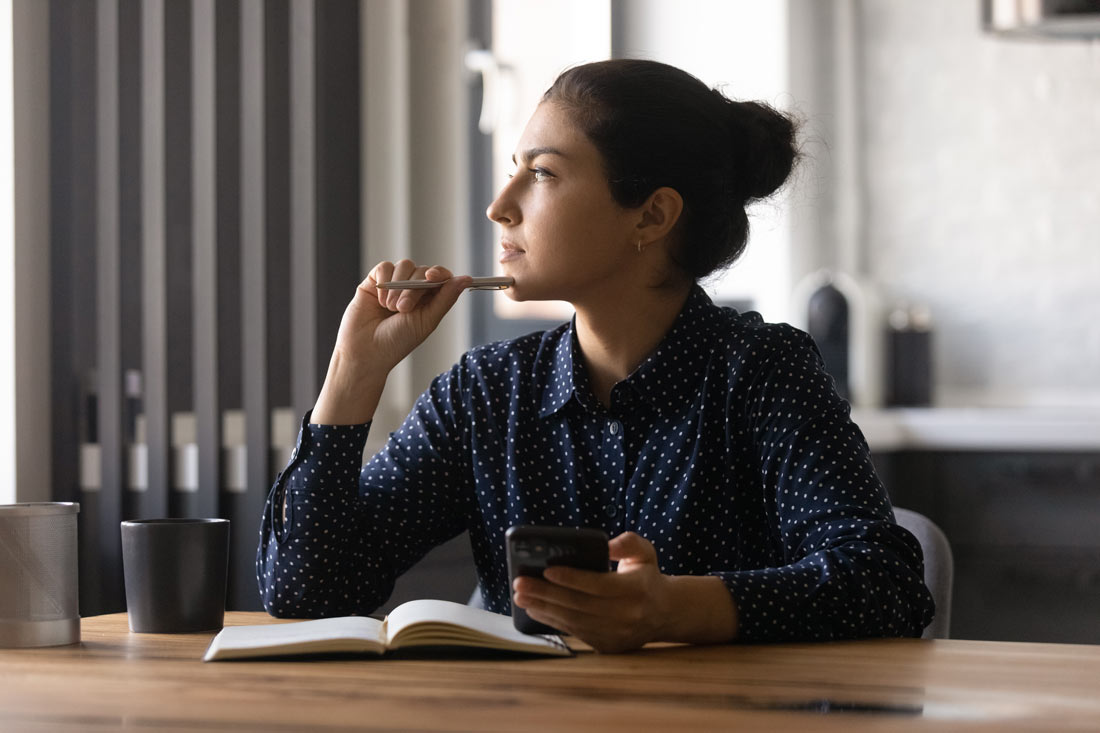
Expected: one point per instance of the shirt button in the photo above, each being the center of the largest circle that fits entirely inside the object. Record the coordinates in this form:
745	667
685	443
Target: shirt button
612	510
614	427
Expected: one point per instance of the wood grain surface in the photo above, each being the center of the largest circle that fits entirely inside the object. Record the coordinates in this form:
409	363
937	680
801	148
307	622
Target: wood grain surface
116	680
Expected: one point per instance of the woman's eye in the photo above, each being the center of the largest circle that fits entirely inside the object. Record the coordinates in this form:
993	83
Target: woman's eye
541	174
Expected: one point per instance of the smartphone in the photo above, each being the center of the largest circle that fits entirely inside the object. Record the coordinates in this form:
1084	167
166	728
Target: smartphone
532	549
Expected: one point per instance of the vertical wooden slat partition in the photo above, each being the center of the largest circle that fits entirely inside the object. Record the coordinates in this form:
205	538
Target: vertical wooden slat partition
153	501
303	249
337	192
204	247
222	173
257	408
112	479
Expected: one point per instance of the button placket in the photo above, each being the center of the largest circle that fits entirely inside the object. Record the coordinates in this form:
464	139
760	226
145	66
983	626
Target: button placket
614	466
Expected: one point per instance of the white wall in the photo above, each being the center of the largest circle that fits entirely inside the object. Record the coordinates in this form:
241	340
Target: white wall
7	261
982	176
24	253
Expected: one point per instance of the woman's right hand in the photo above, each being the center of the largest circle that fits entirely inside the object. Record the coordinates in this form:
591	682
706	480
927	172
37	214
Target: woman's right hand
379	329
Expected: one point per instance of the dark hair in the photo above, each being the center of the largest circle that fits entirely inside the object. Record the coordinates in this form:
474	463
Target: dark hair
656	125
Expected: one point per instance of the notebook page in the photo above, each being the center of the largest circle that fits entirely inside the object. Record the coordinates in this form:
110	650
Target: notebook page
436	611
273	637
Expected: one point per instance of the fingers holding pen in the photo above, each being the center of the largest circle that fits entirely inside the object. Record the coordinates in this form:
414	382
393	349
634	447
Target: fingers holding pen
409	299
404	301
397	300
380	273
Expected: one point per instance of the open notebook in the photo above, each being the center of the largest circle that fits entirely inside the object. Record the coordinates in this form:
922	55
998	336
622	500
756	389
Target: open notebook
421	623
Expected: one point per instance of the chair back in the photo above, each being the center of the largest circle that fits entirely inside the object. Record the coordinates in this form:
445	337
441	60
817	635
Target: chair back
939	567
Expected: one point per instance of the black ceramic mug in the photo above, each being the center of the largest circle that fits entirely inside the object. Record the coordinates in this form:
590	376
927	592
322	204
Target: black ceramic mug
175	572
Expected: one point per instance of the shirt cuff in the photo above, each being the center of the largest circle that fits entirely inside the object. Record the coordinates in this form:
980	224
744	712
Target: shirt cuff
326	460
768	607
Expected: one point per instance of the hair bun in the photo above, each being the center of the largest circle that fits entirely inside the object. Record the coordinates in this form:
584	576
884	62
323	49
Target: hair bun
762	148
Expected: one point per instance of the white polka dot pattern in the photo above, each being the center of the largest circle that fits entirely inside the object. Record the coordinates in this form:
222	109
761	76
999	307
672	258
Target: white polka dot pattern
728	449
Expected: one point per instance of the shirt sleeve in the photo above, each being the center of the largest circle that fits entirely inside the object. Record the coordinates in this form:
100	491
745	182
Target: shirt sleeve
848	570
350	530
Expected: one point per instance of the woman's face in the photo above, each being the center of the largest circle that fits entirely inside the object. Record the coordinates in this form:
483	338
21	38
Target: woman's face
562	235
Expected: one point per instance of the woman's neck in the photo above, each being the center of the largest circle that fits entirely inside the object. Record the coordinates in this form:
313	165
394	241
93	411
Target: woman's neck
618	332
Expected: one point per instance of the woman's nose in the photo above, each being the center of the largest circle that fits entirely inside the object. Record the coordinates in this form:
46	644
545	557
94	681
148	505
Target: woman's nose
502	210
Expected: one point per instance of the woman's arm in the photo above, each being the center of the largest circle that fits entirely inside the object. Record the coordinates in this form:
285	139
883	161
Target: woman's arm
350	531
378	330
316	555
844	568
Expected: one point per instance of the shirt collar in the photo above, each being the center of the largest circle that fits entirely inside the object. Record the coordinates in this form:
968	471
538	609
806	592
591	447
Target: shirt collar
565	376
668	379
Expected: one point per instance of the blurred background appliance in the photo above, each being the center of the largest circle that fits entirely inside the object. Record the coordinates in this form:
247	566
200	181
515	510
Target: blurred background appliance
843	315
1042	18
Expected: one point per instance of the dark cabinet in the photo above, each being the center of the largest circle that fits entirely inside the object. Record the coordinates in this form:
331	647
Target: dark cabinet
1025	531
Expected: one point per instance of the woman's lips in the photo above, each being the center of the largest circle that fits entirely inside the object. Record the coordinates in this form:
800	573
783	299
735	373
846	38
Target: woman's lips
511	252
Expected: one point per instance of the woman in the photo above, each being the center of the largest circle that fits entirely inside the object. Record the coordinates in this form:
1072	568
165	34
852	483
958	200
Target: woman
711	446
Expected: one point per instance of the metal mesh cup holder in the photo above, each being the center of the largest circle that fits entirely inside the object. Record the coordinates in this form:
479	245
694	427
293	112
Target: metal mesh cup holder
39	601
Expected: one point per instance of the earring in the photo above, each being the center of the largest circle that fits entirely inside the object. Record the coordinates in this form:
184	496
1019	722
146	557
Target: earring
640	248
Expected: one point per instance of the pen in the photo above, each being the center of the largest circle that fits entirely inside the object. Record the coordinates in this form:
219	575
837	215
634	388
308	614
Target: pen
478	283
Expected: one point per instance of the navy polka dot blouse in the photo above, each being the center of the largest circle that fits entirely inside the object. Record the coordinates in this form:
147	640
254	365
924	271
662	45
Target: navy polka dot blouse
728	449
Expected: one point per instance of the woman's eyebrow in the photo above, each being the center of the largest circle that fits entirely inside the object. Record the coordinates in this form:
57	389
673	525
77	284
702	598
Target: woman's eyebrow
532	153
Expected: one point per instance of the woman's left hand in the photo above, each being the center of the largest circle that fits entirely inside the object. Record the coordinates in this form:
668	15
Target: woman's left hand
612	612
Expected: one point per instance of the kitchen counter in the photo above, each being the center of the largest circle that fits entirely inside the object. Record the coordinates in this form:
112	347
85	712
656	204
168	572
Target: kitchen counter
981	428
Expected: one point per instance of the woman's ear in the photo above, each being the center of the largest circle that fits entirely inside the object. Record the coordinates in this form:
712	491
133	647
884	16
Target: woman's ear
659	215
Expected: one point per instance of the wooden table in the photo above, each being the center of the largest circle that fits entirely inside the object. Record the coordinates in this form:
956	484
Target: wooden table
115	679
